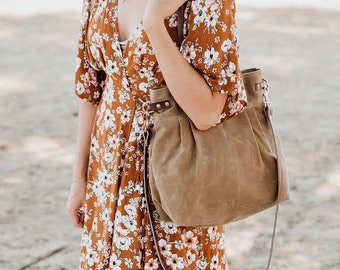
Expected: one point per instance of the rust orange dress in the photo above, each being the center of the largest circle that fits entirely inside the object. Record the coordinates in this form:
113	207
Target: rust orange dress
117	229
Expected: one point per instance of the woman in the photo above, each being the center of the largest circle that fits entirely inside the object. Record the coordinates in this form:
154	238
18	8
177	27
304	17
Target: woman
126	48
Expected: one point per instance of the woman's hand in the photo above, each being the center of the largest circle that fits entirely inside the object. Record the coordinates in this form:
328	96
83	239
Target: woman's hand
76	202
158	10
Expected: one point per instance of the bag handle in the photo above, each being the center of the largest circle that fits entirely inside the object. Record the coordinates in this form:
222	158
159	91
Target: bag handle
180	26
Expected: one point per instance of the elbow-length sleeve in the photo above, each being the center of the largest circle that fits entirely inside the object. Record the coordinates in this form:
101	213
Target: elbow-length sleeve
89	82
211	47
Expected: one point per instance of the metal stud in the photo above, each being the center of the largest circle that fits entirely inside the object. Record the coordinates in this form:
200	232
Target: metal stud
167	104
158	106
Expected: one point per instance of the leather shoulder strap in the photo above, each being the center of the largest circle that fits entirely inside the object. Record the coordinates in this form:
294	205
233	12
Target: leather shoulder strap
180	26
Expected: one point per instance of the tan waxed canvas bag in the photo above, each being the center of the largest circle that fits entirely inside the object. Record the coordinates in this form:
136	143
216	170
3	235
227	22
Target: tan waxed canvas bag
213	177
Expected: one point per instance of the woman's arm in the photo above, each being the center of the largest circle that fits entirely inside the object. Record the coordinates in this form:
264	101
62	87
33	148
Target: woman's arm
187	86
86	117
76	200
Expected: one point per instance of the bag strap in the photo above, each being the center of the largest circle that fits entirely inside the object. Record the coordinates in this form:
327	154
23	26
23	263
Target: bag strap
180	26
146	140
269	114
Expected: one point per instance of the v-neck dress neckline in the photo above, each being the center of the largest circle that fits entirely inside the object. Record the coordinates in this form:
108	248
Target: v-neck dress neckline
138	27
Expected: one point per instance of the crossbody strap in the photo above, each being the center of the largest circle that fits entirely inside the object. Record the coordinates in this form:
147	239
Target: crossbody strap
146	139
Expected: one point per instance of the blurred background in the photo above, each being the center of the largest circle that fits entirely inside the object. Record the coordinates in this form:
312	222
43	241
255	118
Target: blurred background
295	43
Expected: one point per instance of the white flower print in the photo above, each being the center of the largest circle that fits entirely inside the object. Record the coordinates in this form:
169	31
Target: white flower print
146	73
223	79
179	245
196	7
91	77
97	39
110	226
173	20
119	110
123	242
86	240
115	262
95	224
128	262
109	119
200	12
215	6
100	245
125	83
214	262
141	48
101	7
165	248
96	94
211	56
108	157
175	262
151	264
80	88
143	86
105	177
85	14
129	223
108	95
231	71
226	46
113	141
91	256
212	232
131	210
139	189
94	51
221	243
99	191
189	240
201	265
125	117
105	215
191	257
189	53
212	20
123	96
169	227
112	67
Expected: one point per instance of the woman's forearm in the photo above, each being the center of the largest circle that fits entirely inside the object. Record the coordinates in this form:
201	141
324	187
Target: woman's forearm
86	117
187	86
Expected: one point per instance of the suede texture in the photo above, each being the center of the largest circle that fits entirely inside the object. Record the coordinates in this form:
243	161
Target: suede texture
224	174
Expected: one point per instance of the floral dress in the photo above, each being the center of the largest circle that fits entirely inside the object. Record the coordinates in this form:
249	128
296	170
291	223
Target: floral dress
117	231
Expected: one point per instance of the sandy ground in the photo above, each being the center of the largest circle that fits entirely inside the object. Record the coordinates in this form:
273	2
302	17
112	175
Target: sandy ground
298	49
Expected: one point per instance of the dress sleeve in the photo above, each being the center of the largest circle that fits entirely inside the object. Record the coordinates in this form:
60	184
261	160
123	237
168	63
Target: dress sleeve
89	82
211	47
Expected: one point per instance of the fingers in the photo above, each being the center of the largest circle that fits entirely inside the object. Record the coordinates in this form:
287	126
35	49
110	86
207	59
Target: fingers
75	210
77	216
75	204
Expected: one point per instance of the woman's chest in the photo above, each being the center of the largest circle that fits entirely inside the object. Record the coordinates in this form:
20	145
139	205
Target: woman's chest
104	35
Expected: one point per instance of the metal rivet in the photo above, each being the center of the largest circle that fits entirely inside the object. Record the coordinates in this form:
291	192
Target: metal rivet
167	104
158	106
258	86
